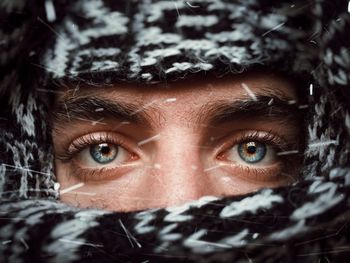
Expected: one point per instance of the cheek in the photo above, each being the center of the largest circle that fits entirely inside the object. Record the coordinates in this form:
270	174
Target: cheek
135	190
229	185
225	184
63	175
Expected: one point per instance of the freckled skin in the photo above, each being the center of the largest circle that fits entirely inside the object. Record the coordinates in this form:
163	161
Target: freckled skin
180	163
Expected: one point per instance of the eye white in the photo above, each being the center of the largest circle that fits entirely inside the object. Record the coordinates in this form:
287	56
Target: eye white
268	159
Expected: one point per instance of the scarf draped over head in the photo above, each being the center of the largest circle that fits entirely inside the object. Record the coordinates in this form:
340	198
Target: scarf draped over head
45	44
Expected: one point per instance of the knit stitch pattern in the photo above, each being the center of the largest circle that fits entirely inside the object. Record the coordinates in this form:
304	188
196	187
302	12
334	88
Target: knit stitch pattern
47	44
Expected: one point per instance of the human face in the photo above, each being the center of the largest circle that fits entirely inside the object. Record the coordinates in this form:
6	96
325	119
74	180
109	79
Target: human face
128	148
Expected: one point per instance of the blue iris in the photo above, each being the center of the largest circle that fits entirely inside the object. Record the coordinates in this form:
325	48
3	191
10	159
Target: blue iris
103	153
252	152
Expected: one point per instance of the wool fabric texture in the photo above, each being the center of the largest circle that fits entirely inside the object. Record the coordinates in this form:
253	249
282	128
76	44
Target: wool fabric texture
45	44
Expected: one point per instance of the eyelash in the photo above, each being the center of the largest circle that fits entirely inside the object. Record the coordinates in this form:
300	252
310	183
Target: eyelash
269	138
256	173
79	144
88	174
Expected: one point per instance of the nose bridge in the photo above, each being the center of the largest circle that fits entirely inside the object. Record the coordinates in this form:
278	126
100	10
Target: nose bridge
181	168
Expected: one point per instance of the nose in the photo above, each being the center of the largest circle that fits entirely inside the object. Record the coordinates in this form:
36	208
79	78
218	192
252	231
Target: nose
181	170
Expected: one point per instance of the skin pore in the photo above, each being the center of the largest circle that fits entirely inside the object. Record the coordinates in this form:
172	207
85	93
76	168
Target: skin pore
126	148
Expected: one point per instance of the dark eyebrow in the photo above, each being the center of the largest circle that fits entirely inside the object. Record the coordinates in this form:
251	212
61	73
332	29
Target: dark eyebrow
93	108
261	107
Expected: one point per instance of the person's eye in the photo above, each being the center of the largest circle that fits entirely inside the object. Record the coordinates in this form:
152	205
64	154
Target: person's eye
99	155
103	153
256	155
253	152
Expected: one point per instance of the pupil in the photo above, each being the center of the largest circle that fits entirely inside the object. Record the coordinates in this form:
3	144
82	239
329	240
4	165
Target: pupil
104	149
251	149
252	152
103	153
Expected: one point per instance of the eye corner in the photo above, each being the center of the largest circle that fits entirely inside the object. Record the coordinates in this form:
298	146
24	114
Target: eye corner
134	156
220	156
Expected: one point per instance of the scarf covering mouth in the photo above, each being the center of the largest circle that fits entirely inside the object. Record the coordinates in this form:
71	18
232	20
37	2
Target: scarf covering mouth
43	43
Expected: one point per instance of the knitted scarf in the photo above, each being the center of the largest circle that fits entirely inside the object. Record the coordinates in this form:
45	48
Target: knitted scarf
45	44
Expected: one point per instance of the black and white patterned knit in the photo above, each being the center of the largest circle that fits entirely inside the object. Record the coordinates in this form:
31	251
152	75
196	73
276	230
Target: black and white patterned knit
47	43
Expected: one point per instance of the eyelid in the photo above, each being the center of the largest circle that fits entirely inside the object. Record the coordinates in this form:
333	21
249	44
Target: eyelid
229	141
252	173
103	173
78	144
255	174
